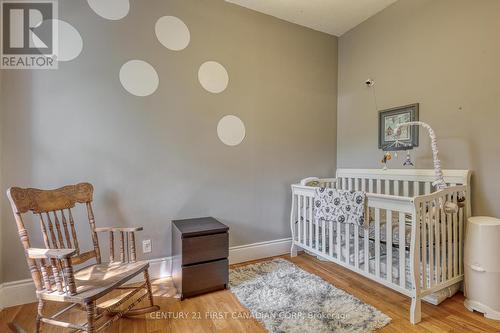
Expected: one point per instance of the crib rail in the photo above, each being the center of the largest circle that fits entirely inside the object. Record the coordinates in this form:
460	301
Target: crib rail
399	182
439	240
410	244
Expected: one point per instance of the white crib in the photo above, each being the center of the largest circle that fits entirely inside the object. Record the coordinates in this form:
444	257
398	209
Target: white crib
413	246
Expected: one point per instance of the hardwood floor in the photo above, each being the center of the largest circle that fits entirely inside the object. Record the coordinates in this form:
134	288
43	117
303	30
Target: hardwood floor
206	313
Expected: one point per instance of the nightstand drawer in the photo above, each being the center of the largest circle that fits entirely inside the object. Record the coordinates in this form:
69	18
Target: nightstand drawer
204	248
202	278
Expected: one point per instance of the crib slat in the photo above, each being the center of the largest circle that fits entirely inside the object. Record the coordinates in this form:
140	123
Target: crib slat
344	183
356	246
366	247
323	237
415	257
377	242
427	188
416	188
316	235
363	185
330	236
339	255
304	222
430	215
311	205
460	238
347	243
350	186
388	238
370	185
423	237
379	186
450	243
455	240
387	186
437	241
396	187
444	264
406	186
299	218
402	250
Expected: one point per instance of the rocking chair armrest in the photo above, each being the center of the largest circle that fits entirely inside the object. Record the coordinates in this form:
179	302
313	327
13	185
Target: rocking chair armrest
127	242
56	268
119	229
34	253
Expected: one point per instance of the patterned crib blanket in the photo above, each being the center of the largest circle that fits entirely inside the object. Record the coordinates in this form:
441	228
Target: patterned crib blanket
340	206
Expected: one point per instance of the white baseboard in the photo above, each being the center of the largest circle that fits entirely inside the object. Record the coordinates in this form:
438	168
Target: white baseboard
23	291
2	297
18	292
260	250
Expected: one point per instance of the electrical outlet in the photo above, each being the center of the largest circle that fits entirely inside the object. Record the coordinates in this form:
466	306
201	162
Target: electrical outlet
146	246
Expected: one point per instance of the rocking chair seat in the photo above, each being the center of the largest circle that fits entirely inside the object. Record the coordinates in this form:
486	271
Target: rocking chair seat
95	281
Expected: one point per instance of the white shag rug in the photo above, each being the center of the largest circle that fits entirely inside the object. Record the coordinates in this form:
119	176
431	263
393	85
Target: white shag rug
285	298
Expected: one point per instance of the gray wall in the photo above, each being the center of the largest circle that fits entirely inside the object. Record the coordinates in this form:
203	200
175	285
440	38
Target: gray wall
158	158
443	54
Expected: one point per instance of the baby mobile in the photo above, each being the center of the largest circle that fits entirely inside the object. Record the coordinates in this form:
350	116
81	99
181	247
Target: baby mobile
400	146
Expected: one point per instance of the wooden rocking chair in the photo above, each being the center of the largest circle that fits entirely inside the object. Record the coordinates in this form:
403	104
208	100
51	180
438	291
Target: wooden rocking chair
52	267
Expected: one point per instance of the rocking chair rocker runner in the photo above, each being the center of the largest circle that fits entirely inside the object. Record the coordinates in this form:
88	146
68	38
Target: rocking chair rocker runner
52	267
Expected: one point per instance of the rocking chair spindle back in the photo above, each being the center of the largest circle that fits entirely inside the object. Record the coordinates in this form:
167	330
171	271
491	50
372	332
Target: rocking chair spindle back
52	267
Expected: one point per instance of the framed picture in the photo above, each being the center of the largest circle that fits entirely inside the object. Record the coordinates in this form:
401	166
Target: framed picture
389	119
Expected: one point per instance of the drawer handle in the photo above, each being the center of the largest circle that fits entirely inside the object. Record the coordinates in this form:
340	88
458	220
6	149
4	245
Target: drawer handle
477	268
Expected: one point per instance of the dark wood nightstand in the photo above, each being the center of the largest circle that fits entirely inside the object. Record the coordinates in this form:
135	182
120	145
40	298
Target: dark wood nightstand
200	250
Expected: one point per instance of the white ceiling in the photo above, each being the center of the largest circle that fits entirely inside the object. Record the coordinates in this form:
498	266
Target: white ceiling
334	17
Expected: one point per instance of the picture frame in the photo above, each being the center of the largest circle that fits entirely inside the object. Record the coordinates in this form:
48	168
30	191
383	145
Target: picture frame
389	119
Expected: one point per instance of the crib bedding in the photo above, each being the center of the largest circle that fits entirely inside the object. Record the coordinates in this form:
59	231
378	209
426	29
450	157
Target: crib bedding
339	205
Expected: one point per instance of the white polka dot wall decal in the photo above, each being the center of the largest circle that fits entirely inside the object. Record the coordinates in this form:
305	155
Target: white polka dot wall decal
213	77
172	32
110	9
139	78
231	130
70	43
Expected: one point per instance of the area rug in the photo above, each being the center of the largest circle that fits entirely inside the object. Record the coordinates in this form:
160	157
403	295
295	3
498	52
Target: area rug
285	298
